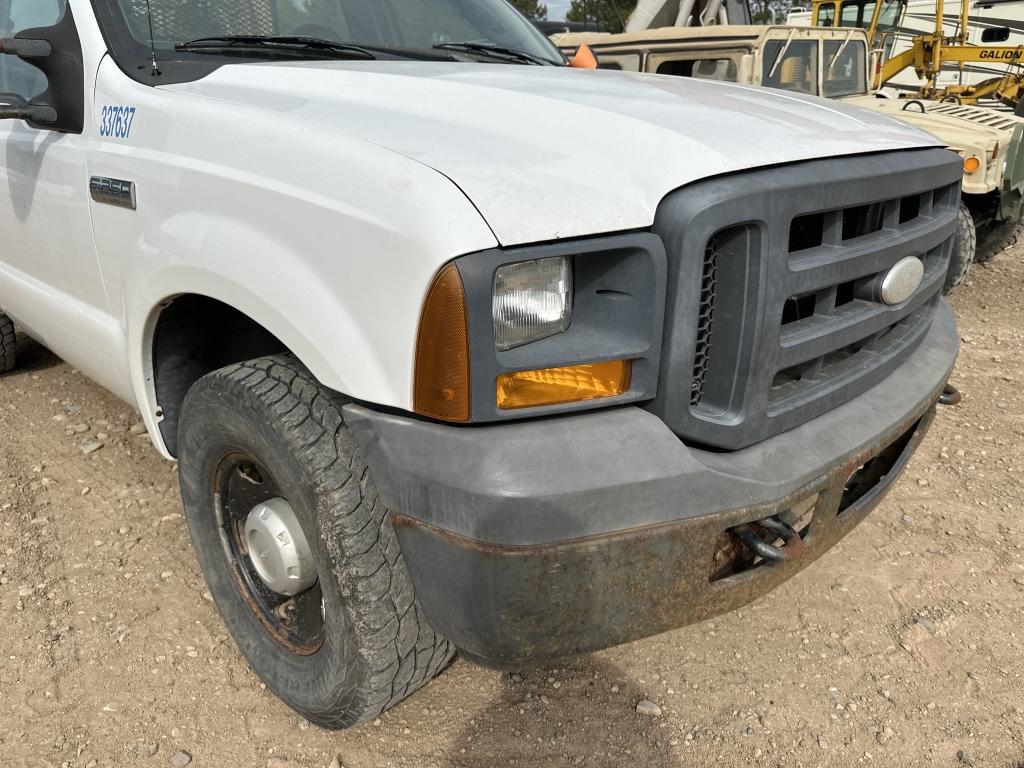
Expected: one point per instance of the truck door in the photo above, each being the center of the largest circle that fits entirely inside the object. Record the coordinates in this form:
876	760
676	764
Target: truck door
49	275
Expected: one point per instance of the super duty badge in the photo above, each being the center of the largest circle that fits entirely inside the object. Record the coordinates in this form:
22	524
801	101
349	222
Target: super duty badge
113	191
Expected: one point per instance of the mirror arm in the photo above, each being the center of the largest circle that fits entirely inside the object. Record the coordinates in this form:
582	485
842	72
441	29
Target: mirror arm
35	113
14	107
25	49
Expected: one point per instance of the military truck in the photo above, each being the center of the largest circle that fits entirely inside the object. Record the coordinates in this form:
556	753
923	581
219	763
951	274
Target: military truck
835	64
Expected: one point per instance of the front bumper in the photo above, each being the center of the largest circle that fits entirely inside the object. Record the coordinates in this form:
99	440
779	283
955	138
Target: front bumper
541	540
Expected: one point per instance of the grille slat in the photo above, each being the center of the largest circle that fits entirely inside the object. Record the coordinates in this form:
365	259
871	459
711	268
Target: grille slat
833	264
850	362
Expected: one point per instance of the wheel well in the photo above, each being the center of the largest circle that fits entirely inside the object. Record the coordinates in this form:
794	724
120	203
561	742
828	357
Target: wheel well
983	208
195	335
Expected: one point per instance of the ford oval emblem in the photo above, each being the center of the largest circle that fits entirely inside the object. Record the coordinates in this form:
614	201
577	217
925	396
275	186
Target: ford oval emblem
902	280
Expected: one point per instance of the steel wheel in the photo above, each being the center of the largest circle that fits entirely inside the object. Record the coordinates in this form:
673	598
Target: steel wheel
269	555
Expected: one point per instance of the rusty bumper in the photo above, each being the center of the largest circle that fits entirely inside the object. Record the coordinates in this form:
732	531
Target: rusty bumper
511	605
538	541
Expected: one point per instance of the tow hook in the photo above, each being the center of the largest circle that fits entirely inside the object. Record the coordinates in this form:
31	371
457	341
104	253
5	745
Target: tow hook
777	528
950	395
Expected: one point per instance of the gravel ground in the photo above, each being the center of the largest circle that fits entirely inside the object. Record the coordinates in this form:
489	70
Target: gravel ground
902	646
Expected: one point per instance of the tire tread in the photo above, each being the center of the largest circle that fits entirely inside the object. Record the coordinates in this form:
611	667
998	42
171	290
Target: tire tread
995	238
964	246
8	344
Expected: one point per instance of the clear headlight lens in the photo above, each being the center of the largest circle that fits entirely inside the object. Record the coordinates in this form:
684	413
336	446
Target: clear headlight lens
531	300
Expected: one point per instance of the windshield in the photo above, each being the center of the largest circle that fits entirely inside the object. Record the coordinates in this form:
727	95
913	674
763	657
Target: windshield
794	67
791	65
858	13
826	14
401	28
847	76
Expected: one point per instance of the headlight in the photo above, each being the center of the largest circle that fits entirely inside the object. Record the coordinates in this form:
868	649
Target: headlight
531	300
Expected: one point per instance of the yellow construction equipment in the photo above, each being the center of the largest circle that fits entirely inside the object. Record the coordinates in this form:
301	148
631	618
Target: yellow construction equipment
929	52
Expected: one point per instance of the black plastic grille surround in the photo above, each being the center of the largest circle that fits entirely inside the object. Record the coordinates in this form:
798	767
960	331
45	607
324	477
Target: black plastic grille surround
786	322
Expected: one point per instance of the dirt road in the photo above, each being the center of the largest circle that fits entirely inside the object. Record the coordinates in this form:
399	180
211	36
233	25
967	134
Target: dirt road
904	646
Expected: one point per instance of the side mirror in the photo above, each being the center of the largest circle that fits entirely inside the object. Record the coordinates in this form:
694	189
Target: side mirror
56	52
995	34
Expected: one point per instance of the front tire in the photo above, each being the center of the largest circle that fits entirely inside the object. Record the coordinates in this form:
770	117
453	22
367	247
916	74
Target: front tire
8	344
964	245
355	643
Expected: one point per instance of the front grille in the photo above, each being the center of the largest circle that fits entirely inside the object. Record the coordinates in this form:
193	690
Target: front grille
785	322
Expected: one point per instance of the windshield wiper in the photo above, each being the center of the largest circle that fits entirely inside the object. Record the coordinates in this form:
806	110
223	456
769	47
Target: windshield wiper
496	52
781	53
838	53
286	43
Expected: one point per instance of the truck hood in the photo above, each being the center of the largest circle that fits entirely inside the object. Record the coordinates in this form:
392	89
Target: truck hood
547	153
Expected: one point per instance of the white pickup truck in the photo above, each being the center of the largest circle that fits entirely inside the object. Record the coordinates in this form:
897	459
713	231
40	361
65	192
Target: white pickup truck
458	347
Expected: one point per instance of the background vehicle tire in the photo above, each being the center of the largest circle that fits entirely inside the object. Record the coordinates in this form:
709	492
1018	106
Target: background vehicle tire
996	238
963	250
356	642
8	344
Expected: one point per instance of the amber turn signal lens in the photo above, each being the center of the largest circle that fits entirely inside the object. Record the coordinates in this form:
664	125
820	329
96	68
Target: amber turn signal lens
557	386
441	386
972	164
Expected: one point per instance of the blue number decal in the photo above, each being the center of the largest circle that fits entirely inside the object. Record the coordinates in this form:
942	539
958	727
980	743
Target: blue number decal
116	122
